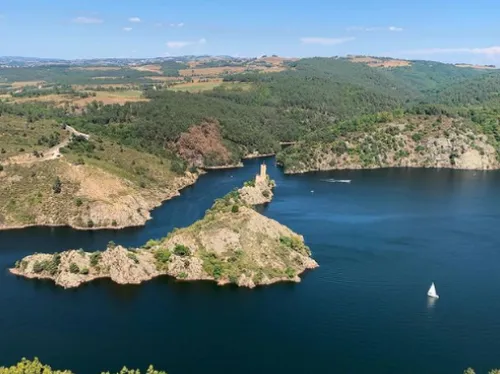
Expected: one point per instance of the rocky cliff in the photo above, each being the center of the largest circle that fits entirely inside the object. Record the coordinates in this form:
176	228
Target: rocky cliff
430	142
231	244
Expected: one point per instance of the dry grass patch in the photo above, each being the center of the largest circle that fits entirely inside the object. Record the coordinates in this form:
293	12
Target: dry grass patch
165	79
106	97
379	63
26	83
96	68
481	67
217	71
150	68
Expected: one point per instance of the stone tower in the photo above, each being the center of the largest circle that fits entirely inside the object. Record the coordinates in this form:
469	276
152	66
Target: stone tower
262	176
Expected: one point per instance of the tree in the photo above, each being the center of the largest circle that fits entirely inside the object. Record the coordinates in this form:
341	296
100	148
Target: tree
73	268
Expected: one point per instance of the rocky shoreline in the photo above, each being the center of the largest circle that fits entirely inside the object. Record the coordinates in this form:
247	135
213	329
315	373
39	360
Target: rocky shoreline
445	143
153	202
232	244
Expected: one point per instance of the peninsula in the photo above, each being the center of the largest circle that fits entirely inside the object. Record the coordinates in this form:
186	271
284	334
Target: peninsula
232	243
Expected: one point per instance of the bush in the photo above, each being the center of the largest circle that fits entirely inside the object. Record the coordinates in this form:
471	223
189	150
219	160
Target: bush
151	243
78	202
162	257
417	137
111	244
178	166
114	223
250	183
73	268
84	271
181	250
266	194
290	272
133	257
1	167
57	186
38	267
90	223
95	258
235	208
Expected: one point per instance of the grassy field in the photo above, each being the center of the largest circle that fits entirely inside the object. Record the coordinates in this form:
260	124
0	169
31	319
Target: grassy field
103	184
17	136
137	167
212	72
208	86
106	97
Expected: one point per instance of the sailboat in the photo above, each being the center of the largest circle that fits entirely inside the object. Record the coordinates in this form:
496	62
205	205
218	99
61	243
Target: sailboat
432	292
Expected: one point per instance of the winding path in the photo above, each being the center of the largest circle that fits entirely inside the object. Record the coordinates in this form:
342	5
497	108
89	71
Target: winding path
49	154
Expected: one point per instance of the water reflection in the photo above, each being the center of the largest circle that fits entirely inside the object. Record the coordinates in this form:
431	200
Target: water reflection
431	302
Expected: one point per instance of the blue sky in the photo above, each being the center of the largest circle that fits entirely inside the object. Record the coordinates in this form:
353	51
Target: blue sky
444	30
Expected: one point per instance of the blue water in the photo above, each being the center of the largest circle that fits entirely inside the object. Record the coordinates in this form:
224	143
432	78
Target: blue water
380	241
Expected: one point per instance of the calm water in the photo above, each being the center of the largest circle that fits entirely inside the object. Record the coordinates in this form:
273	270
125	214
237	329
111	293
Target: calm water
380	242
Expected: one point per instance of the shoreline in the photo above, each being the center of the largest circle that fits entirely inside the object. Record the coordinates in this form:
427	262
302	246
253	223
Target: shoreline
118	227
287	172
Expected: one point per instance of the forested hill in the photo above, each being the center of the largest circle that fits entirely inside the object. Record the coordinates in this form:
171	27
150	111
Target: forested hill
256	111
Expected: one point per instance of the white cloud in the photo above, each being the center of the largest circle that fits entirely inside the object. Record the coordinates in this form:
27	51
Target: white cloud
134	19
87	20
489	51
127	29
182	44
325	41
180	24
377	28
395	29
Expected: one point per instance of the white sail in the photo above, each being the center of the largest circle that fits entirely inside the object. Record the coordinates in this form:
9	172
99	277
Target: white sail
432	291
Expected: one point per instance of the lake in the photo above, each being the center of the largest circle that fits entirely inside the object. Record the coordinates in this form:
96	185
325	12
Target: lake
380	242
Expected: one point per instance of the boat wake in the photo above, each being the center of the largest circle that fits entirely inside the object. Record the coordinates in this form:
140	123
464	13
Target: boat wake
336	180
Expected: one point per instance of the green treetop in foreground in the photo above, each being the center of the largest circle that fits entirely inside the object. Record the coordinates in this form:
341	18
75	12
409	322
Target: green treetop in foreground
36	367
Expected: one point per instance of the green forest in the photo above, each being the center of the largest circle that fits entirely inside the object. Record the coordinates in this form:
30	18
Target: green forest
315	99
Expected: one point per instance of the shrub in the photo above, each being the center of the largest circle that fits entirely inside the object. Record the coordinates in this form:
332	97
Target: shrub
178	166
73	268
133	257
78	201
290	272
38	267
114	223
183	275
95	258
417	137
217	272
162	257
56	187
250	183
111	244
151	243
266	194
84	271
90	223
235	208
1	167
181	250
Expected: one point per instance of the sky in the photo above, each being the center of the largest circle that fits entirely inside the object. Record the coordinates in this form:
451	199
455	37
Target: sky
444	30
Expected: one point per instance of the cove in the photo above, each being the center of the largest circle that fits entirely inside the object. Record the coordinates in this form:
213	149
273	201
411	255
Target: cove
380	241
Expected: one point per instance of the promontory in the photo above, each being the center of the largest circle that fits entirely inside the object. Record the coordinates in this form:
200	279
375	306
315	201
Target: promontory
232	243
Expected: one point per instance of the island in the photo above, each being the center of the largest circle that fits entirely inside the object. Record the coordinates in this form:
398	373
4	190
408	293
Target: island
232	243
